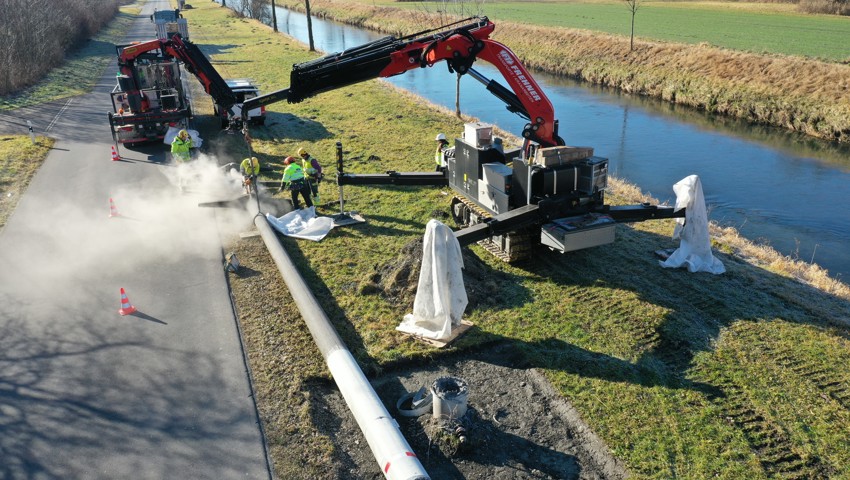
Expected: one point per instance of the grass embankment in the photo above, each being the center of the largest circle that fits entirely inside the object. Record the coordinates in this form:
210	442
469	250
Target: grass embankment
683	375
797	93
19	160
81	68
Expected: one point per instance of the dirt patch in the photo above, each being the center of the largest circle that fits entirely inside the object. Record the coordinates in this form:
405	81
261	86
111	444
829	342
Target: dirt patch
397	280
516	426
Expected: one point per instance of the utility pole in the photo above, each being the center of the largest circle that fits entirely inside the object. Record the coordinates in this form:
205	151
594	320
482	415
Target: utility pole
309	26
457	96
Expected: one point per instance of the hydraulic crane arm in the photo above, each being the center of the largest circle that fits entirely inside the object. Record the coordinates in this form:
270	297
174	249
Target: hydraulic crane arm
459	46
191	56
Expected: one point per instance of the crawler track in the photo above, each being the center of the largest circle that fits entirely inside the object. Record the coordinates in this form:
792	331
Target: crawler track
510	248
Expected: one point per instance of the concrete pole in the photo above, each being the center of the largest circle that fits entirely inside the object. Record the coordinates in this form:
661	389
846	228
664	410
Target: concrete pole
394	455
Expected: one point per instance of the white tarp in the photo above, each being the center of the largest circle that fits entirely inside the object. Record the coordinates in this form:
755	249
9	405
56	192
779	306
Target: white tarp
440	295
303	224
172	132
695	244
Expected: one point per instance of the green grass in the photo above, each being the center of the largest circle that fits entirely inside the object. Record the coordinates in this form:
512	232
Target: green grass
20	159
683	375
81	69
767	29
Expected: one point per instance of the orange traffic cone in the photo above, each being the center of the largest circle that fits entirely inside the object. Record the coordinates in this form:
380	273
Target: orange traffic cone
126	308
115	156
113	212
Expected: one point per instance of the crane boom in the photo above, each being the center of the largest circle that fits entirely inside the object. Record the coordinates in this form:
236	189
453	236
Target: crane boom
459	46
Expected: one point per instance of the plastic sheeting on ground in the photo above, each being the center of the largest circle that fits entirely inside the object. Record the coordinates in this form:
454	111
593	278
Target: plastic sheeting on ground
303	224
440	295
694	250
172	132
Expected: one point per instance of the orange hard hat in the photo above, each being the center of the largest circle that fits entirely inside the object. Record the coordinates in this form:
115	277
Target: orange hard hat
288	160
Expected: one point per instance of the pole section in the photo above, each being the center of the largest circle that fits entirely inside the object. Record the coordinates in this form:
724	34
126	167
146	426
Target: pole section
392	452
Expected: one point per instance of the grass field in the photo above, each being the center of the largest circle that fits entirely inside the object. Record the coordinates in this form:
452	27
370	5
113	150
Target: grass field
20	159
758	28
684	376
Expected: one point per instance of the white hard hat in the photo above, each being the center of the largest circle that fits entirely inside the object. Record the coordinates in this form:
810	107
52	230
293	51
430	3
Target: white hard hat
440	136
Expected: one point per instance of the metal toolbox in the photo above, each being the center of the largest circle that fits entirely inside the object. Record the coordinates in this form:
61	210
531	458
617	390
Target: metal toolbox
575	233
498	176
478	134
492	198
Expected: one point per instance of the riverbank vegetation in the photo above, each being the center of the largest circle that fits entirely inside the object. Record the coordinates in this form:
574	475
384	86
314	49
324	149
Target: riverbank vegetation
683	375
762	28
58	50
797	93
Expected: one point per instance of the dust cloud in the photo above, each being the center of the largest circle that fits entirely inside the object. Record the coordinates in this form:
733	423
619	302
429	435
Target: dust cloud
72	248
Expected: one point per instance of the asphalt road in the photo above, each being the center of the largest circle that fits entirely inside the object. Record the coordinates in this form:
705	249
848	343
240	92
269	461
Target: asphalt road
84	391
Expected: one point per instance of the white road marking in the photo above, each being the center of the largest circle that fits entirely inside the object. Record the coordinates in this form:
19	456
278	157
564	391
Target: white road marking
59	114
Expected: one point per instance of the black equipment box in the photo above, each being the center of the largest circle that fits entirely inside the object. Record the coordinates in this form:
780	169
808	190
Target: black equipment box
593	175
467	169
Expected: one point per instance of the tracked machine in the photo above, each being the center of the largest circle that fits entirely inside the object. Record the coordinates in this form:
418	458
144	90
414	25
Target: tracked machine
544	192
149	96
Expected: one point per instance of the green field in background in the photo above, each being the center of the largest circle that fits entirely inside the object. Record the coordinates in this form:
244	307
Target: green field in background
759	29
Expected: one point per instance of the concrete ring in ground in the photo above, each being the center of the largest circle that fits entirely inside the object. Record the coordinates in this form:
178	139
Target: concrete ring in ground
405	404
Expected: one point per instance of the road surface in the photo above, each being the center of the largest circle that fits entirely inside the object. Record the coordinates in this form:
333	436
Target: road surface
84	391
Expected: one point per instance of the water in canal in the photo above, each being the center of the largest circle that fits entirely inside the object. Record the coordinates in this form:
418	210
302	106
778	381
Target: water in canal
775	187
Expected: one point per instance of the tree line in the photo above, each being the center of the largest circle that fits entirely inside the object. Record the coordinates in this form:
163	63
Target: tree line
37	34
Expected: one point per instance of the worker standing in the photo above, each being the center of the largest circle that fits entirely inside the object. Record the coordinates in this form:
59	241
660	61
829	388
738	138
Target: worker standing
250	168
313	170
295	181
440	155
180	146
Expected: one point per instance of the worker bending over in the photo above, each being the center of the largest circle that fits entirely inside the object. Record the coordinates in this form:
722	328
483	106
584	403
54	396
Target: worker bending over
250	168
313	171
295	181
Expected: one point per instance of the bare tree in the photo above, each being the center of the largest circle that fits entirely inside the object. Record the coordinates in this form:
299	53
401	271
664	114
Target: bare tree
256	9
633	6
274	16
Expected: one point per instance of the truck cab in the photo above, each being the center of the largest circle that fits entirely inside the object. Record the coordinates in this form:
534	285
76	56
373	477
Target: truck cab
243	89
168	23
